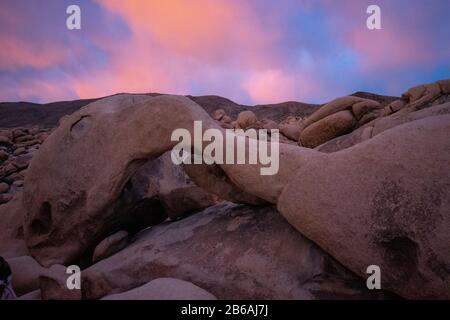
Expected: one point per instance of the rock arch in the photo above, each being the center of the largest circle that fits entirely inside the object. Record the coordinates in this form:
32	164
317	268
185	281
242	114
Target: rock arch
334	199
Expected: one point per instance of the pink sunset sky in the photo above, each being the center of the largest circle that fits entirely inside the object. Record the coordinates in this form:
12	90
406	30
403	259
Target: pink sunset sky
252	52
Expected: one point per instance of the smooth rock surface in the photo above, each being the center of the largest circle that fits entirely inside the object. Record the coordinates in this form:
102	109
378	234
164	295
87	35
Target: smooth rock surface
240	252
164	289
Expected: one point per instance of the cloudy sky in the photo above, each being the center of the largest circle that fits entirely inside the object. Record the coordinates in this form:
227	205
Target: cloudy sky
253	52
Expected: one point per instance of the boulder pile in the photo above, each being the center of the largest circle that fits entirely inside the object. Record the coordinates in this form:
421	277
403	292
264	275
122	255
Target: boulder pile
17	146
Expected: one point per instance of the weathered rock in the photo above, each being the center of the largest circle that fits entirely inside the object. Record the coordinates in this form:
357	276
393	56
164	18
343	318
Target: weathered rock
432	91
269	124
161	181
213	178
16	176
337	105
414	93
375	203
164	289
292	131
346	141
327	128
24	138
19	151
26	272
396	105
187	199
5	141
383	202
82	187
241	252
397	119
8	169
226	119
19	132
246	119
53	285
110	245
381	125
445	86
218	114
370	116
361	108
12	243
27	143
3	156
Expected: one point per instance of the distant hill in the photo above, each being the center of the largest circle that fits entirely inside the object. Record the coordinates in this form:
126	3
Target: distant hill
27	114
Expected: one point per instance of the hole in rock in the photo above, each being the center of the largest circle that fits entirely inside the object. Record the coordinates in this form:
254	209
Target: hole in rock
42	223
401	254
81	126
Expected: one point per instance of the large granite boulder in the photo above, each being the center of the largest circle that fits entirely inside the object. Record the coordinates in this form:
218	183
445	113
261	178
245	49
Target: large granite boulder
383	202
233	252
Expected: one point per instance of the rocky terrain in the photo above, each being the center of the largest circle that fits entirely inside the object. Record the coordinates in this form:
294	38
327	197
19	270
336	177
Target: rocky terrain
364	180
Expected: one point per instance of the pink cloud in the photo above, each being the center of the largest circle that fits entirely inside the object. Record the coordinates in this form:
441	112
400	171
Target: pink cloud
272	86
174	44
17	53
389	48
207	30
29	89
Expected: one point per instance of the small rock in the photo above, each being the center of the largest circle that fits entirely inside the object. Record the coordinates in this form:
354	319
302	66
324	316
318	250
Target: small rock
218	114
397	105
28	143
4	187
414	94
362	108
226	119
18	133
8	169
445	86
3	155
290	130
5	141
24	138
188	199
15	176
19	151
327	128
246	119
34	130
269	124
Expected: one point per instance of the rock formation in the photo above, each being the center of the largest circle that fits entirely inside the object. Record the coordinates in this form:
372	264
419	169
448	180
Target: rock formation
375	190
